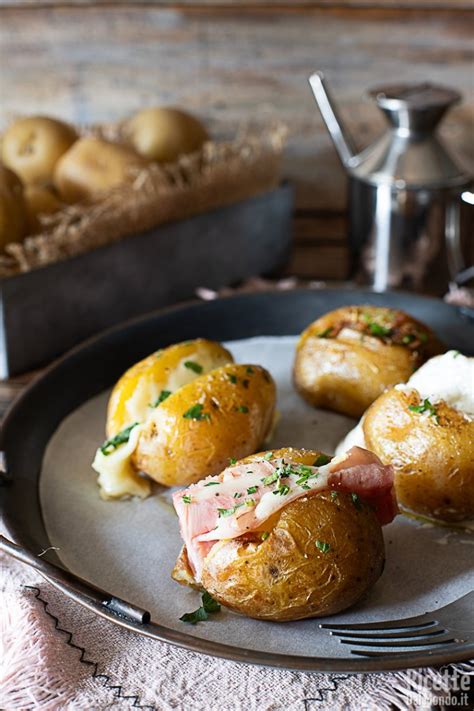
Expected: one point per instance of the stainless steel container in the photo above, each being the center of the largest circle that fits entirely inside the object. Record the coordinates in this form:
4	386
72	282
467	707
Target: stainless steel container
405	191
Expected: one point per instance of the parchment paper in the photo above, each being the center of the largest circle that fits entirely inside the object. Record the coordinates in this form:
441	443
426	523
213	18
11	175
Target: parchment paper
129	547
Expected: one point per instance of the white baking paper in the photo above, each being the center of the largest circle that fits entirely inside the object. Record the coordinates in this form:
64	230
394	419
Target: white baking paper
129	547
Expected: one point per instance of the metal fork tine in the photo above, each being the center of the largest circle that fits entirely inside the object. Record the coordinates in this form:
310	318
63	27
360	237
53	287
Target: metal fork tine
388	634
417	642
407	623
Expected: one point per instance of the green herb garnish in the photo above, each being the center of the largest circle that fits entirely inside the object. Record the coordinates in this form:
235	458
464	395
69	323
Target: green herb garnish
212	483
249	370
326	333
229	512
356	501
186	499
243	408
250	502
268	456
270	479
195	412
409	338
238	495
192	365
283	490
321	460
334	495
110	445
232	378
162	397
426	406
252	489
264	535
208	607
232	461
380	331
323	547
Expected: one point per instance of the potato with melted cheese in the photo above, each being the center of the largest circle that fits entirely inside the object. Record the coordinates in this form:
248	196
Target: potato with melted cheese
348	357
225	414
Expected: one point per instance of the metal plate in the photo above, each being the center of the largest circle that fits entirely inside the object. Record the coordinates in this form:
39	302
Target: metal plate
98	363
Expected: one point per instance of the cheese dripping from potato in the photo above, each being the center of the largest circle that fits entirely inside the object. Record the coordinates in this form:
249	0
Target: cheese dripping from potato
136	395
245	495
448	378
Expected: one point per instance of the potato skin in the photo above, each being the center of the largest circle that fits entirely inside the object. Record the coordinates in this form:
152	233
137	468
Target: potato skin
163	133
92	166
340	365
12	207
433	456
237	402
286	577
32	146
142	384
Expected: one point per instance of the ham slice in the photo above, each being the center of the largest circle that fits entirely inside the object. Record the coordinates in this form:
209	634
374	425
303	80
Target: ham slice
243	497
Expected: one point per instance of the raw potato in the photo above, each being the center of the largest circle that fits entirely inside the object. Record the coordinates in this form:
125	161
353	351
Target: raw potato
432	455
32	146
163	134
12	208
40	200
348	357
93	166
163	371
225	414
286	576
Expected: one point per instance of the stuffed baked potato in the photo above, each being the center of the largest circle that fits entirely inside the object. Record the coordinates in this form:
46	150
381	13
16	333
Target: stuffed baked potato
347	358
315	548
179	415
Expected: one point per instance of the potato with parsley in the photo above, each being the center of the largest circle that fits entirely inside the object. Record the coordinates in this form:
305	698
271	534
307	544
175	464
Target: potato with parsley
425	429
348	357
180	414
225	414
287	534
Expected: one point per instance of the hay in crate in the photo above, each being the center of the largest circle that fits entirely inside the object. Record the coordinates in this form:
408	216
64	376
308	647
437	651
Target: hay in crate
219	174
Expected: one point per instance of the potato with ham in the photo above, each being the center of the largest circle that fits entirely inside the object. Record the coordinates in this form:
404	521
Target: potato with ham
348	357
288	534
179	415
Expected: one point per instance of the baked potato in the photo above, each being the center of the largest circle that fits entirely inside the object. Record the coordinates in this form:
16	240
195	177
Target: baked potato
426	431
227	413
179	415
314	549
163	134
12	208
93	166
347	358
32	146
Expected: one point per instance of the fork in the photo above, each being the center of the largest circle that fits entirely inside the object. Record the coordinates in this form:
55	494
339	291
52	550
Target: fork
451	624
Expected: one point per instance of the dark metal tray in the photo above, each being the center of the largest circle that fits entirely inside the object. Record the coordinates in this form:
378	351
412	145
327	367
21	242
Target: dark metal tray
47	311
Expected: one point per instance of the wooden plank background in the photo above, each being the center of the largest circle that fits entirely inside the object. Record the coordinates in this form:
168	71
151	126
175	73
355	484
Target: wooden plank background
100	61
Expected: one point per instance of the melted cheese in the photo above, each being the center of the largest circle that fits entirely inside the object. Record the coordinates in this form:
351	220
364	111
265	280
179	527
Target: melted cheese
117	478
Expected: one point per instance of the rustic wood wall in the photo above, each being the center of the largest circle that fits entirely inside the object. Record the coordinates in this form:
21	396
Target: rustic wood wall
233	61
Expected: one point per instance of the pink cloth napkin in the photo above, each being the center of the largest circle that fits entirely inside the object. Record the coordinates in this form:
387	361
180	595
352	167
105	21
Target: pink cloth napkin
59	656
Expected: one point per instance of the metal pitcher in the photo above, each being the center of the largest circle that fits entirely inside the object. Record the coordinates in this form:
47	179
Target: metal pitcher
405	191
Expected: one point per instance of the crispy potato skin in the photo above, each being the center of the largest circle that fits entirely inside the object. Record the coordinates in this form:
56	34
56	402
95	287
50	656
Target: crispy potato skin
347	369
286	577
176	450
143	382
433	460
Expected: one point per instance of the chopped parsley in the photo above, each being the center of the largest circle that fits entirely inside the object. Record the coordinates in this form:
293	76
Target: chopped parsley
192	365
306	473
271	478
229	512
238	495
232	461
321	460
379	331
264	535
326	333
356	501
250	502
162	397
110	445
426	406
334	495
243	408
409	338
209	606
186	499
249	370
283	490
232	378
212	483
323	547
252	489
195	412
268	456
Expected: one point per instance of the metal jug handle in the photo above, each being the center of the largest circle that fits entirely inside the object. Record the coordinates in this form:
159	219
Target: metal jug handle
459	271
